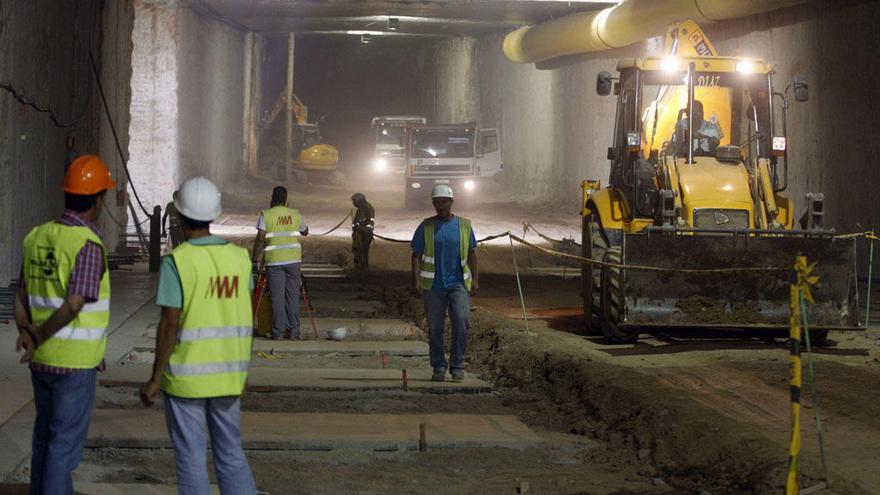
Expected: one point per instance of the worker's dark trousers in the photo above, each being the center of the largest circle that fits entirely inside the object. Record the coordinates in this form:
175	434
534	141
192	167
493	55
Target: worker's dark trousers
360	249
284	283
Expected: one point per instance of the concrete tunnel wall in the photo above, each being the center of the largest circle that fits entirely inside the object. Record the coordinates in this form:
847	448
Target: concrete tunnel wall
187	103
44	55
555	129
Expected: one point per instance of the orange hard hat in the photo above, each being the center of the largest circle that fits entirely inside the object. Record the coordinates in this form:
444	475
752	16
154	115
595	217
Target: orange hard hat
87	175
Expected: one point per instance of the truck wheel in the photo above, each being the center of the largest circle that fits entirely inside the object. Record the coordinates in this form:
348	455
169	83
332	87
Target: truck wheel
411	201
300	176
612	305
337	178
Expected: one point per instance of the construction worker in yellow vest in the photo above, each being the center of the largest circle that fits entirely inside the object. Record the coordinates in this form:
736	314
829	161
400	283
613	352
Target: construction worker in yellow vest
278	241
444	270
203	346
62	309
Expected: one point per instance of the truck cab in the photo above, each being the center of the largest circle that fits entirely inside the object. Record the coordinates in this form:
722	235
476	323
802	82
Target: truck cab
389	151
461	155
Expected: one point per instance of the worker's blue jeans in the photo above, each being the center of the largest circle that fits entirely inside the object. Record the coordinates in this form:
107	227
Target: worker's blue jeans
458	302
64	408
284	283
187	420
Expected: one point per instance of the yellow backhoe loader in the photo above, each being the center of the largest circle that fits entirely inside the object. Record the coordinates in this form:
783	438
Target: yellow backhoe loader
311	159
698	169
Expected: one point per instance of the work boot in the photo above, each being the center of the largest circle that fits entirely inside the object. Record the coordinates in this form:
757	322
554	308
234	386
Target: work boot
457	375
438	376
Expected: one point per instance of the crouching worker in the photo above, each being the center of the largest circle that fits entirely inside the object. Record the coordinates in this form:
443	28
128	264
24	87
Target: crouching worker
203	346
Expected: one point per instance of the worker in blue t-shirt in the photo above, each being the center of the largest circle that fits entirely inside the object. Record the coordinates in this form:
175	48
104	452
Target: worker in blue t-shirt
444	267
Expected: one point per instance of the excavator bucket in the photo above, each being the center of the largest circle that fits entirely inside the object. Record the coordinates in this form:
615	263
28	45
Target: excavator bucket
747	299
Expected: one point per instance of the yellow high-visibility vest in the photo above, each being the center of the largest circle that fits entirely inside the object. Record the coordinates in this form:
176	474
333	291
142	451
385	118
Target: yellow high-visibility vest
282	235
428	266
213	348
50	252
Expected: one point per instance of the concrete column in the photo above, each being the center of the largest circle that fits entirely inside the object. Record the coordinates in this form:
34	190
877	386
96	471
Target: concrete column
154	152
288	94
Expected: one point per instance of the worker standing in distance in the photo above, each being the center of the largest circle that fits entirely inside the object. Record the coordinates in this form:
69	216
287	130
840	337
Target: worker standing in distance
444	270
203	346
173	224
278	231
362	231
62	310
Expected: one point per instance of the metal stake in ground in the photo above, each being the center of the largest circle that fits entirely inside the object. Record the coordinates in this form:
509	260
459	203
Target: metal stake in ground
405	381
522	301
423	440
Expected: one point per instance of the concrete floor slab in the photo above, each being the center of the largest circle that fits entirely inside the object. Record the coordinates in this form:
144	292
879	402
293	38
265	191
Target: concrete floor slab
272	379
347	348
129	489
375	328
319	431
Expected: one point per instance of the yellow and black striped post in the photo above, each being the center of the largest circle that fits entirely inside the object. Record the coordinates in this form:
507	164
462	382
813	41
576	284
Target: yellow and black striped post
800	286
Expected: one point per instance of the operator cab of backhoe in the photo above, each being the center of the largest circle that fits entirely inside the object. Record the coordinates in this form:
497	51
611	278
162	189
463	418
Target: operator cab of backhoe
664	176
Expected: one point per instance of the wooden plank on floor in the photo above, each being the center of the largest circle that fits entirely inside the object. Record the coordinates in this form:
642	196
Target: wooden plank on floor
347	348
272	379
145	428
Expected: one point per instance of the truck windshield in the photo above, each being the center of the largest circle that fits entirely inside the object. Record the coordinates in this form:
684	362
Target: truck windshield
389	135
442	144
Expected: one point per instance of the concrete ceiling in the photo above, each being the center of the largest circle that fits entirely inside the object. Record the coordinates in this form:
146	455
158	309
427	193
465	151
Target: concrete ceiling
415	17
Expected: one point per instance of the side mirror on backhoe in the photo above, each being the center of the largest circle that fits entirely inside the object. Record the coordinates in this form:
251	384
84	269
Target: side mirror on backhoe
603	83
801	88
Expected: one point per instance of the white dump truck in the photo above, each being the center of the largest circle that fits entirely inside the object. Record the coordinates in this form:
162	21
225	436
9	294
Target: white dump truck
389	146
461	155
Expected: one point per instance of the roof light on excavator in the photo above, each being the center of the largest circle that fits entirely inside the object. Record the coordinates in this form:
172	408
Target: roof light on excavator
669	64
745	67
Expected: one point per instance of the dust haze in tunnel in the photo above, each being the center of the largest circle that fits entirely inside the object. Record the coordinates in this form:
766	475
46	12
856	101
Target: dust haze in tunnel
344	83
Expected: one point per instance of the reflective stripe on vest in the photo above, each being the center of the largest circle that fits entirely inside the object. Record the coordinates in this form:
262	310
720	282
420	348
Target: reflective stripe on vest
213	346
50	252
428	264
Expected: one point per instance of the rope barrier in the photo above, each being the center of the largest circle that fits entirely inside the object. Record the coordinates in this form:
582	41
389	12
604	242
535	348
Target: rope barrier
346	217
644	268
528	226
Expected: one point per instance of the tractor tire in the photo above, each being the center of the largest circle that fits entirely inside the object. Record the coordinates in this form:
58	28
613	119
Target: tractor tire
593	246
612	305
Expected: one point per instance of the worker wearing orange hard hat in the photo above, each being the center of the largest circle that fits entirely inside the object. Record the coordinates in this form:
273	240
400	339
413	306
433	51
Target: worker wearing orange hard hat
62	309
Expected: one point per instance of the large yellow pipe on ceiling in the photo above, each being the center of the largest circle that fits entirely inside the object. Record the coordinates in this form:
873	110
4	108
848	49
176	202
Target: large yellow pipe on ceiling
621	25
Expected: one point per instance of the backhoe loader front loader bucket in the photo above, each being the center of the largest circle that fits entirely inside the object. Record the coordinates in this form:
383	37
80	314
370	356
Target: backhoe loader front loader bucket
742	299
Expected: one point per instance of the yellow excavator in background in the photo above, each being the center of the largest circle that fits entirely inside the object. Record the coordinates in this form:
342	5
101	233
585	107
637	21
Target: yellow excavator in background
703	192
311	158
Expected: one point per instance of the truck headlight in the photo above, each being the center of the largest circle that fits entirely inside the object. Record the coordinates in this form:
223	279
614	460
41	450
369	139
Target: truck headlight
380	164
469	185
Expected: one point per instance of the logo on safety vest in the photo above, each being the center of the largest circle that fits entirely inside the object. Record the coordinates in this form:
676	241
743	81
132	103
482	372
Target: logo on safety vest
285	220
221	288
44	266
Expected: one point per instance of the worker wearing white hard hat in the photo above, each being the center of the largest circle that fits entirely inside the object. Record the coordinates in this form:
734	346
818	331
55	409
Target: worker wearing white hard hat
203	345
444	268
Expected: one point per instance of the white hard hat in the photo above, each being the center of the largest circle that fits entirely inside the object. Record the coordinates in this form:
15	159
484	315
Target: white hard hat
441	191
338	333
198	199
